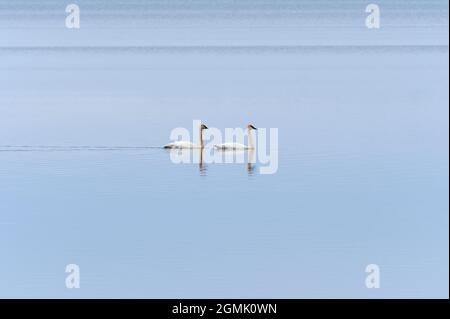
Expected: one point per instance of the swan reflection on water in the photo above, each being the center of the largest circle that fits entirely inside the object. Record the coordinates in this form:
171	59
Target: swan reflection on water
248	153
202	168
196	156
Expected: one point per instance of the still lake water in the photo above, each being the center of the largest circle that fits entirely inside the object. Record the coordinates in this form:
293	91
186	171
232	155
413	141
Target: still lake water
363	151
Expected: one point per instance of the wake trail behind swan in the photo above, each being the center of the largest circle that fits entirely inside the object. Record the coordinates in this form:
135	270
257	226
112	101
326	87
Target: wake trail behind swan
53	148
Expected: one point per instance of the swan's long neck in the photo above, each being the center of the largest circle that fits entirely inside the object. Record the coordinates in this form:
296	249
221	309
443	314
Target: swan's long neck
201	137
251	144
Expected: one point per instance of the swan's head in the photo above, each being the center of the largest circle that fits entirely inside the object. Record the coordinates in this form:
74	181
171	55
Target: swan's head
251	127
203	127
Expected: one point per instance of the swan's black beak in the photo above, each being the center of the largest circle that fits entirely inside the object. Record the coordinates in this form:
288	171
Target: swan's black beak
204	127
253	127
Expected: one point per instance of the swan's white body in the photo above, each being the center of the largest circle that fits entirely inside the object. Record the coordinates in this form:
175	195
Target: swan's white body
181	145
239	146
187	144
231	146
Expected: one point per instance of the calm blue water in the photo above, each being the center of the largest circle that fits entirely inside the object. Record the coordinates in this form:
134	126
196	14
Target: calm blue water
363	149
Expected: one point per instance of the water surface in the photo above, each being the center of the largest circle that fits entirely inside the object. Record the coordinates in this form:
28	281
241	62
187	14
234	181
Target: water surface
363	150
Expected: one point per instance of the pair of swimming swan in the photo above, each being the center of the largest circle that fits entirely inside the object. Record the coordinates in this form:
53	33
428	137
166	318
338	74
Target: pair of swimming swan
224	146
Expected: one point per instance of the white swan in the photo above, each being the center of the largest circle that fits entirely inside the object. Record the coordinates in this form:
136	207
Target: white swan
239	146
187	144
